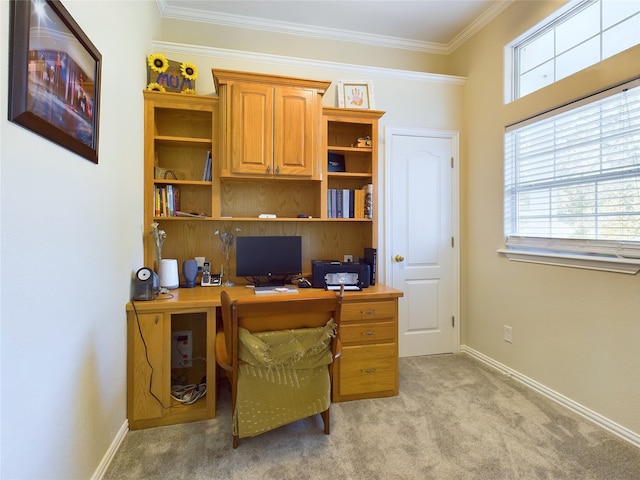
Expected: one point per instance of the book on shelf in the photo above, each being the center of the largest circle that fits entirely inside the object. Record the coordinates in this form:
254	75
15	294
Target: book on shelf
359	201
192	214
351	206
335	162
163	202
368	201
206	171
334	203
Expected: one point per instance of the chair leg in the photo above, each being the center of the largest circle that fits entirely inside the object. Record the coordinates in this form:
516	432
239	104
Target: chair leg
326	418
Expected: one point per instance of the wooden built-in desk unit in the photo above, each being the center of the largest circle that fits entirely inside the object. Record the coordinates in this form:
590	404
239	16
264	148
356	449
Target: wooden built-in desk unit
367	368
291	157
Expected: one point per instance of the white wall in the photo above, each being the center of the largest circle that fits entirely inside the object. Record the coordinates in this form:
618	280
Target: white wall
70	238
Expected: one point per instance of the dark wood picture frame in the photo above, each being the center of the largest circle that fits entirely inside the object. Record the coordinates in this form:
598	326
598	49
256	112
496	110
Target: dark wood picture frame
54	77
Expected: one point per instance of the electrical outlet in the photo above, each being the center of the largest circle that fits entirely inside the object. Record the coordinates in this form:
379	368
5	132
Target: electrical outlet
507	334
348	258
181	349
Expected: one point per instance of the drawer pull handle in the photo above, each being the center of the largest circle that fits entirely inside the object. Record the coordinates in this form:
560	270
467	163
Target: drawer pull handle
368	334
368	312
368	371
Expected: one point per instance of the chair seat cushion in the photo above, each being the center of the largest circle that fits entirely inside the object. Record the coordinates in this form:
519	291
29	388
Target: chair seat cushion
269	397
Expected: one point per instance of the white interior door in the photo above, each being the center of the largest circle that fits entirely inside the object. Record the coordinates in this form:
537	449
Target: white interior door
423	223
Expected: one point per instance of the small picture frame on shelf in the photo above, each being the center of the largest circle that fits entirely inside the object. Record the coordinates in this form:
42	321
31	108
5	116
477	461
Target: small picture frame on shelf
335	162
355	94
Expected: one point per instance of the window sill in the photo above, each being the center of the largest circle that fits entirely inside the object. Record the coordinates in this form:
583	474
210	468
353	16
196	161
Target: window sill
603	263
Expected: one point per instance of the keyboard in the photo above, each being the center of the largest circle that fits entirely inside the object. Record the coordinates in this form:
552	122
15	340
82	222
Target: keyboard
273	290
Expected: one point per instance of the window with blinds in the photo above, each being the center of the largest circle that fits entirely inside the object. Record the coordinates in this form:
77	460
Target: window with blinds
572	177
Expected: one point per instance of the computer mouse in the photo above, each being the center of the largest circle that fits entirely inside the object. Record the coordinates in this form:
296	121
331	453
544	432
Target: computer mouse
304	283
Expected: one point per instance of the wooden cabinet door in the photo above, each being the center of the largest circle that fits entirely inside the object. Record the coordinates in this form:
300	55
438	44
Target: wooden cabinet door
368	371
274	130
147	377
295	131
252	129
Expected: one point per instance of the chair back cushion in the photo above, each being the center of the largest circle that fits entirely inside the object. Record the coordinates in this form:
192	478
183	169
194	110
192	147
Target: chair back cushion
294	348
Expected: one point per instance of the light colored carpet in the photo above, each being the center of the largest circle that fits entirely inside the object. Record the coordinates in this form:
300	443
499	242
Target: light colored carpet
455	418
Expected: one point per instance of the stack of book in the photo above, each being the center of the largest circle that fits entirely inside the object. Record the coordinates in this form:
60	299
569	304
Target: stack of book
167	200
347	203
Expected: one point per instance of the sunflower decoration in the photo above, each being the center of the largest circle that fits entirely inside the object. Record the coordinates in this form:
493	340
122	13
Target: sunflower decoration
158	62
189	70
189	91
155	87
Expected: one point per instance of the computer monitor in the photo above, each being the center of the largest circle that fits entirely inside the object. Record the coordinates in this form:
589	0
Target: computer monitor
268	260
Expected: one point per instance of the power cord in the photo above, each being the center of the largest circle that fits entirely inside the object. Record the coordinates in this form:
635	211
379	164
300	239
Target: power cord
188	394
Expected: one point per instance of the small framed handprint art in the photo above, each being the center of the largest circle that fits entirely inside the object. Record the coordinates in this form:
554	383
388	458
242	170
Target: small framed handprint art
355	94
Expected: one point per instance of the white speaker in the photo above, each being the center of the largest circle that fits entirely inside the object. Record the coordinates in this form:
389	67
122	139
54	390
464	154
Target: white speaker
168	273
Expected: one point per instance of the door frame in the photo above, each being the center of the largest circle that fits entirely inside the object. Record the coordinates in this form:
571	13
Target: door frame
454	136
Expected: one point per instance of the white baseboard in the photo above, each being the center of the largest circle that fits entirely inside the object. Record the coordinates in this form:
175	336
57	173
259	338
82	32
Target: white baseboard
581	410
113	448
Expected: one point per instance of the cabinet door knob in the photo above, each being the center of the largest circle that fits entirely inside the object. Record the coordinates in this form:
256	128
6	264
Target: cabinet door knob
278	170
399	258
268	169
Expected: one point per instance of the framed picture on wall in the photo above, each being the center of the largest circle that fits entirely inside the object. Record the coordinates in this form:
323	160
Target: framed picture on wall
355	94
54	78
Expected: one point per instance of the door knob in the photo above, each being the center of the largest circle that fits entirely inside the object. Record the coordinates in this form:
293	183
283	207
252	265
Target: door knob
399	258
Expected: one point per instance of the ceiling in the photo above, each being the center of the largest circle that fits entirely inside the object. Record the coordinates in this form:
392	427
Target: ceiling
436	26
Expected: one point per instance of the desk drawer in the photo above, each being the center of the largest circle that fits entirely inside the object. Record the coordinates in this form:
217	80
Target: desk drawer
371	332
368	369
368	311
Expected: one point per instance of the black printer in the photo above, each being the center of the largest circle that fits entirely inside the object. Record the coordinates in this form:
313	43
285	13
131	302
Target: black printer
332	274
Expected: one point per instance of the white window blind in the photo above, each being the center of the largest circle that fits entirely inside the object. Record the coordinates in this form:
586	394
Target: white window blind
572	177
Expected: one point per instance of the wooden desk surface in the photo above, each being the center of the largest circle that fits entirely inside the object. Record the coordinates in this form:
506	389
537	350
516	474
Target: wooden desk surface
205	297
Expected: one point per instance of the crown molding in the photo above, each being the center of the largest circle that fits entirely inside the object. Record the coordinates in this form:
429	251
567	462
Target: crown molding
162	6
365	71
478	24
274	26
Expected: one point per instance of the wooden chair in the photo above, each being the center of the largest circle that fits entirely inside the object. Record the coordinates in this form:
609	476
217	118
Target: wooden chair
267	316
